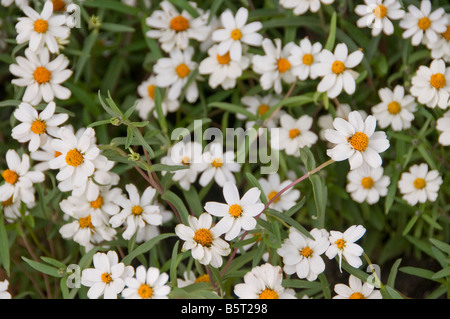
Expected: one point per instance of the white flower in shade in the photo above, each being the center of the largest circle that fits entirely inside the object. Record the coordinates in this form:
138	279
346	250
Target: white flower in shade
423	24
272	186
235	32
41	29
302	255
343	245
190	278
13	210
274	67
440	49
302	57
367	184
443	125
238	213
173	29
357	141
260	105
146	103
203	240
378	14
431	85
35	126
395	109
19	3
147	284
302	6
41	77
220	165
221	69
137	211
19	179
263	282
108	276
335	70
4	294
356	290
419	184
293	134
173	73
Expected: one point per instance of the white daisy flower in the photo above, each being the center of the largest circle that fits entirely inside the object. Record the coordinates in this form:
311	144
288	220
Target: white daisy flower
238	213
108	276
377	15
335	70
151	231
301	254
272	186
235	32
443	125
356	290
4	293
342	110
440	49
190	278
419	184
173	73
13	210
19	179
395	109
203	240
423	24
41	77
367	184
357	141
147	284
431	85
44	155
221	69
343	245
19	3
41	29
260	105
293	134
174	30
302	6
35	126
274	67
302	58
263	282
137	211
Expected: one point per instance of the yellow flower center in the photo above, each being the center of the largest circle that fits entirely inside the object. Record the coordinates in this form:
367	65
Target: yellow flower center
10	176
137	210
294	133
236	34
74	158
268	294
106	278
283	65
186	160
38	127
235	210
202	278
7	202
224	59
97	203
340	243
338	67
357	295
419	183
203	237
306	252
85	222
145	291
179	23
272	195
59	5
42	75
182	70
263	108
380	11
359	141
151	91
438	80
424	23
40	26
367	182
446	34
308	59
394	107
217	162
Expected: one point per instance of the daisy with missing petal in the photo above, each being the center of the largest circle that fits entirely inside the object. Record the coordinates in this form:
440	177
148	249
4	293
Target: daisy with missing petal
419	184
356	290
395	109
203	240
302	6
147	284
443	125
35	126
378	14
272	186
263	282
367	184
41	77
302	58
357	141
107	278
431	85
335	70
343	245
238	213
235	32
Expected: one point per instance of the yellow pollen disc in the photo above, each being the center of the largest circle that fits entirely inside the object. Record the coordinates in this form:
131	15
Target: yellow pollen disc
203	237
338	67
367	182
59	5
268	294
145	291
438	80
97	203
7	202
236	34
74	158
42	75
424	23
359	141
224	59
340	243
106	278
136	210
202	278
217	162
283	65
308	59
38	127
306	252
357	295
40	26
10	176
294	133
263	108
85	222
380	11
186	160
419	183
235	210
394	107
446	34
151	91
272	195
57	154
182	70
179	23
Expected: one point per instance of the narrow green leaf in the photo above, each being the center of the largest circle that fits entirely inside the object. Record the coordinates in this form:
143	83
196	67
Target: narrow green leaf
393	273
115	27
49	270
442	273
4	246
179	205
112	5
145	247
233	108
87	48
441	245
332	33
290	221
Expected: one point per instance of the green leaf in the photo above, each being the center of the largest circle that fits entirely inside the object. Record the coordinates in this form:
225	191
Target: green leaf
49	270
233	108
54	262
145	247
87	48
115	27
441	245
4	246
393	273
300	284
179	205
332	33
442	273
112	5
419	272
290	221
